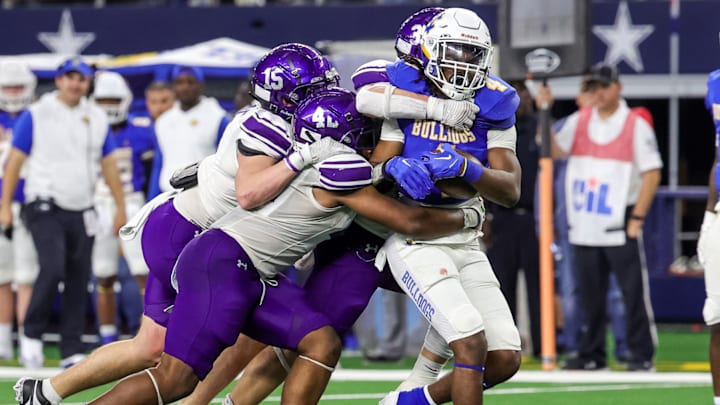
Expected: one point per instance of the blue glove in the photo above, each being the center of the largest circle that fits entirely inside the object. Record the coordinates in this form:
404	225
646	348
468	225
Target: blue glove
411	175
445	162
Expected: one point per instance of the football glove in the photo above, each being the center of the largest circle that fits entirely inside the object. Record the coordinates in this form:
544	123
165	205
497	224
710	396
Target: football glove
411	175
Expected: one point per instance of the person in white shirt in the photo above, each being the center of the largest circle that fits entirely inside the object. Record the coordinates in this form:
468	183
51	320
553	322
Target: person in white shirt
63	141
613	171
187	132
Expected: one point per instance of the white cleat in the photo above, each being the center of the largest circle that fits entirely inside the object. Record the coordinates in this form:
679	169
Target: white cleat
31	352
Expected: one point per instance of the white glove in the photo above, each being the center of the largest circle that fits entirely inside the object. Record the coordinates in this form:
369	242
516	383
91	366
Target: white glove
308	154
708	221
474	214
457	114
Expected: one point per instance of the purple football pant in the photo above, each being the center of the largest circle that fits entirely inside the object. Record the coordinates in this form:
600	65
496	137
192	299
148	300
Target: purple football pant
345	277
164	236
221	295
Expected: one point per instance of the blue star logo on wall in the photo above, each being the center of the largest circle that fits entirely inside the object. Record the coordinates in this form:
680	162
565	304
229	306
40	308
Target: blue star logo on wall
66	41
623	39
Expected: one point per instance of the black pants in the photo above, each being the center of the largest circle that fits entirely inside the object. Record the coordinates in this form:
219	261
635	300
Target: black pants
514	247
64	252
592	267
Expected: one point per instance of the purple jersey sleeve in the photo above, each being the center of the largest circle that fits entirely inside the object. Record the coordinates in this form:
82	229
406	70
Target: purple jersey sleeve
345	172
371	72
262	136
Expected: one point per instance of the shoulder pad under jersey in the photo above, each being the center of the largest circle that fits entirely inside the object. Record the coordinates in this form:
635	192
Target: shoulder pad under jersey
498	102
348	171
264	132
371	72
142	122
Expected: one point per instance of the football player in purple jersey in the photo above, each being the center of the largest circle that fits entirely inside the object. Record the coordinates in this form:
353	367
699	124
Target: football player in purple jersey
250	154
229	281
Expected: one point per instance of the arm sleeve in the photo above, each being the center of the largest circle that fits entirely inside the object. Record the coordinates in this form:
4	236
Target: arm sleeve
23	133
109	144
388	104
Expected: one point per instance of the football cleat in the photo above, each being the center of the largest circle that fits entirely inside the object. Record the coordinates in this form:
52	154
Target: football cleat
28	391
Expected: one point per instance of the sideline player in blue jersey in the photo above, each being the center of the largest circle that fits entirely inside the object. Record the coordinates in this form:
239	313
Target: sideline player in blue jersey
708	242
460	295
134	139
18	259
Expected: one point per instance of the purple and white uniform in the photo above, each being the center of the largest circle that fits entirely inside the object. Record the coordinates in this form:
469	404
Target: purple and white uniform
228	279
176	222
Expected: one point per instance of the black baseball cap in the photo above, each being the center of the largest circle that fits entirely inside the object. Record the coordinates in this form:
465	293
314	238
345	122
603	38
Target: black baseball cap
602	73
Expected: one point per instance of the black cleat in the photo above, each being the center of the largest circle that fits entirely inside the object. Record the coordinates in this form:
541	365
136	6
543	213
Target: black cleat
28	391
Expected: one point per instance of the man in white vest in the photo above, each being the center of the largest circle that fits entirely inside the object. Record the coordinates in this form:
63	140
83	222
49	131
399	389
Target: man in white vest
63	142
187	132
613	171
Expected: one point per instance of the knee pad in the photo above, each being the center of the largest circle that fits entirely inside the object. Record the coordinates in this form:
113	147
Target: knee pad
455	317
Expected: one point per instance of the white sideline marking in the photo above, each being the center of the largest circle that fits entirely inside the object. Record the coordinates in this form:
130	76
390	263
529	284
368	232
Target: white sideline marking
510	391
522	376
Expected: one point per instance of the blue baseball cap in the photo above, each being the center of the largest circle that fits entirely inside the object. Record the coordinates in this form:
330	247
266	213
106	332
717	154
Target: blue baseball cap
187	70
75	64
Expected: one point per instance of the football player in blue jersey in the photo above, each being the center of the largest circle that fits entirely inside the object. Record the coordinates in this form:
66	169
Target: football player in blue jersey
708	242
468	308
18	259
135	142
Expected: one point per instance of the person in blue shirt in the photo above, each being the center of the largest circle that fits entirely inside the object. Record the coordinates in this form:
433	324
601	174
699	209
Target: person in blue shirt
61	141
18	259
135	147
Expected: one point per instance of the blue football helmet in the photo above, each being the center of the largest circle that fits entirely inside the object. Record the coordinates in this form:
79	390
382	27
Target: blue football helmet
287	74
332	112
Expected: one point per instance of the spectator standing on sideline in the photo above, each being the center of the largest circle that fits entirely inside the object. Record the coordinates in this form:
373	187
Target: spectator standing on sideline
568	288
514	242
708	242
187	132
18	259
135	144
63	138
159	97
612	174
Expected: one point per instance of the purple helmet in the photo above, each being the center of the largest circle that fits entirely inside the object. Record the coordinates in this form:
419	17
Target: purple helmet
407	40
287	74
331	112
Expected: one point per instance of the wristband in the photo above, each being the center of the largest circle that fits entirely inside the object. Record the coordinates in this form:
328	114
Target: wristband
472	171
637	217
